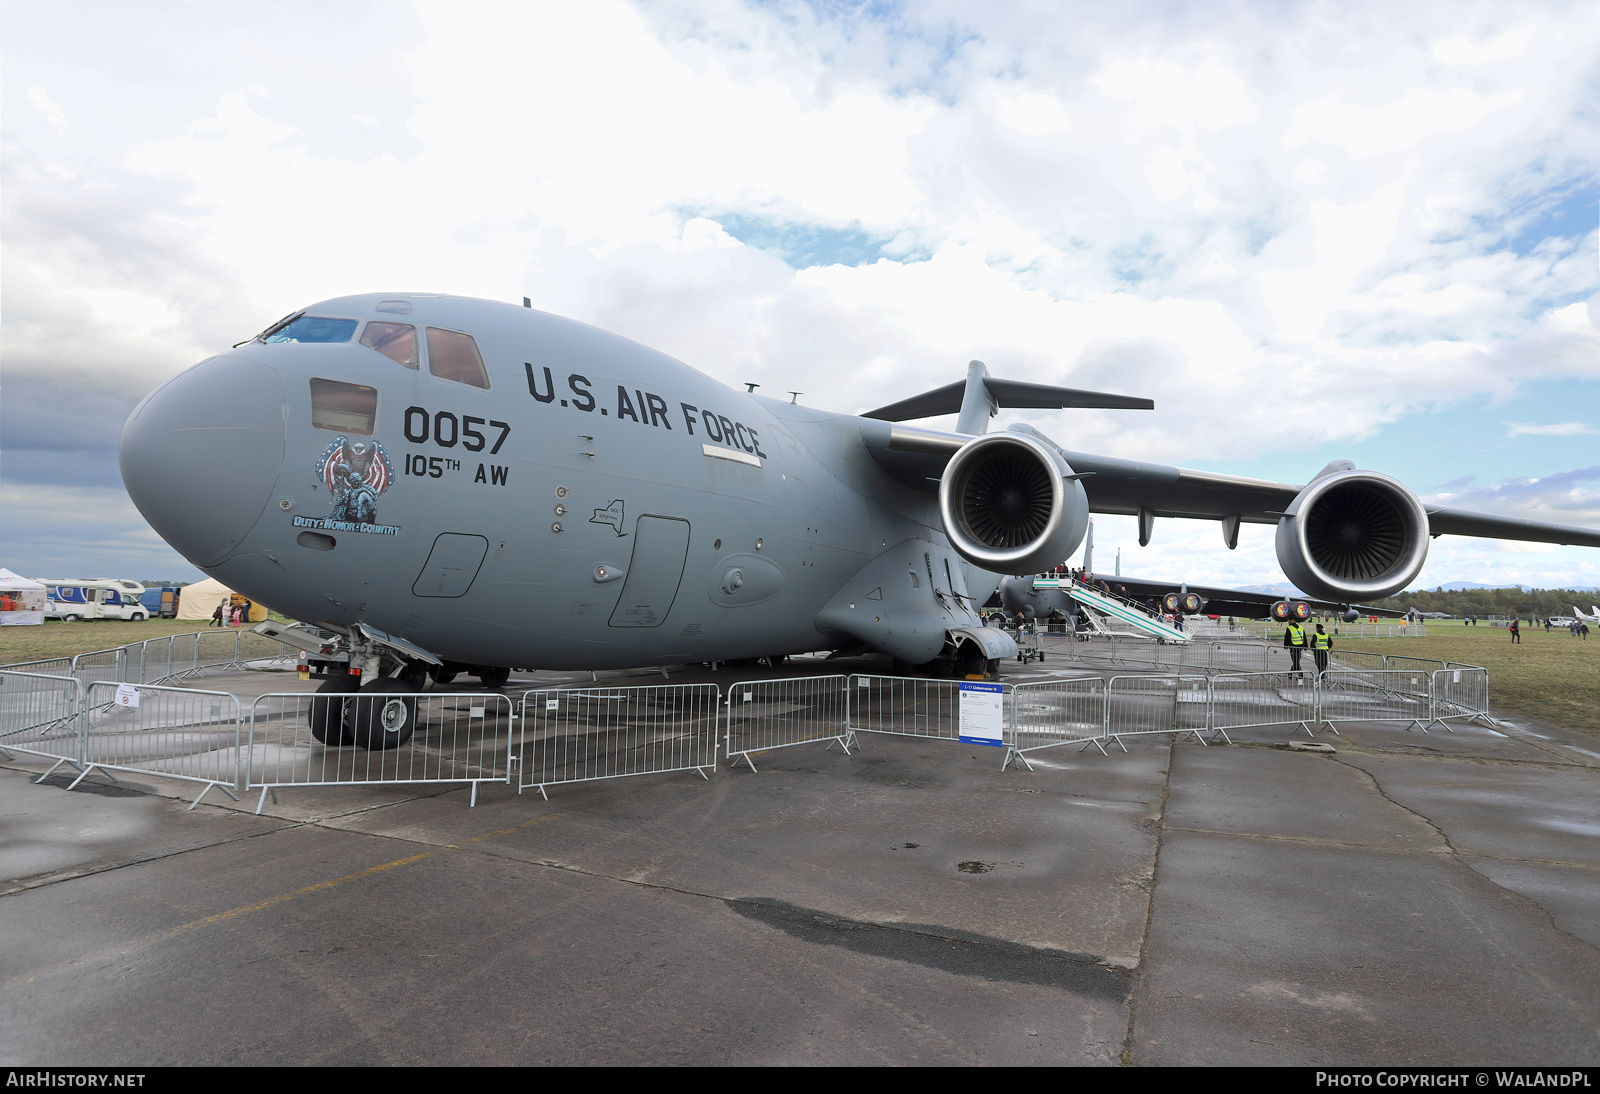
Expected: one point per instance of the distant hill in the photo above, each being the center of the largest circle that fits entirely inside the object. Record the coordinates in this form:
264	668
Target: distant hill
1466	598
1282	588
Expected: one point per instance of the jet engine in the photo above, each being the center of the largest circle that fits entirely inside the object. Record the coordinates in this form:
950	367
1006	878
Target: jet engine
1353	535
1011	505
1285	610
1187	603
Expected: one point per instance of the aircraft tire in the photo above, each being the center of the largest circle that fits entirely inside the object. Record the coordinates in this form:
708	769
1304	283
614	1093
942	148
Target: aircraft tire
492	676
383	715
327	715
442	677
418	676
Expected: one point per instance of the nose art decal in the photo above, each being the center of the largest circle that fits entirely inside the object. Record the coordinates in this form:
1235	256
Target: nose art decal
355	473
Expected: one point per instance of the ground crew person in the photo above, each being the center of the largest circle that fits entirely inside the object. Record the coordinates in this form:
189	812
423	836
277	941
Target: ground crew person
1321	643
1294	637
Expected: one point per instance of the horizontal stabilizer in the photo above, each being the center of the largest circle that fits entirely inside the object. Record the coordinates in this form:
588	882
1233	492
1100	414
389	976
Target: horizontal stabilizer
1009	394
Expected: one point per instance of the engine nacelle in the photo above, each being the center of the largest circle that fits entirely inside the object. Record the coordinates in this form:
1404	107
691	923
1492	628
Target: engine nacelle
1353	535
1285	610
1009	504
1187	603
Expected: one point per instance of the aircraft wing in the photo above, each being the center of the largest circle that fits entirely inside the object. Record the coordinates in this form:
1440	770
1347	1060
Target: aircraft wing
1443	521
1235	602
916	456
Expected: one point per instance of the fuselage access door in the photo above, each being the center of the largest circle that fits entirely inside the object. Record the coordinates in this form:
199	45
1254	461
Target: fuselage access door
660	551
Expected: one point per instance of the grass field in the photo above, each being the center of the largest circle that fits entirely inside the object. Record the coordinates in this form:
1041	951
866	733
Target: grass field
57	639
1553	677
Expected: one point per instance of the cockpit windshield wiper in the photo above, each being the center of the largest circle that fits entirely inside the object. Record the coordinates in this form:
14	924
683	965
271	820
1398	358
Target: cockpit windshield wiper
275	328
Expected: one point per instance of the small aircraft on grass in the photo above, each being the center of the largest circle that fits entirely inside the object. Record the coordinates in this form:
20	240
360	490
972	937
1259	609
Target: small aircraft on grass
452	484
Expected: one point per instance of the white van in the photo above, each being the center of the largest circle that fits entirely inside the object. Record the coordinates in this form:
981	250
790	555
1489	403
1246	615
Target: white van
71	599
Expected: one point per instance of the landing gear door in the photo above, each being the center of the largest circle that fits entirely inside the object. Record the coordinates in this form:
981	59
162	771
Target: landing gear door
660	549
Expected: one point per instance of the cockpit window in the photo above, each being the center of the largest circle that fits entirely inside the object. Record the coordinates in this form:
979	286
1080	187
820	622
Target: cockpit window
345	408
396	341
454	356
310	328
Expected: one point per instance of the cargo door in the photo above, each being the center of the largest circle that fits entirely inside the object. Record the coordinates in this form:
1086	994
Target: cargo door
452	565
660	549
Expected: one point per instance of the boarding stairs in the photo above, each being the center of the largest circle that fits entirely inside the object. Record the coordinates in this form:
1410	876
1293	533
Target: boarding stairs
1113	607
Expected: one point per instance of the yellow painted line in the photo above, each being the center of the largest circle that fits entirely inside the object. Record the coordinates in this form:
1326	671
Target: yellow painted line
320	886
517	827
234	913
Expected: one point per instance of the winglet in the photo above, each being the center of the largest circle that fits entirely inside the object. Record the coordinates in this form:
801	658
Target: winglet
980	396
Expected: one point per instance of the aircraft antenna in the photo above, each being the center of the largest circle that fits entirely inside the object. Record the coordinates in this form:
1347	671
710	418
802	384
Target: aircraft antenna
794	396
750	388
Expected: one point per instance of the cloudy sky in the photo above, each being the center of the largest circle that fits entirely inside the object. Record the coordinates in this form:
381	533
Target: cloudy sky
1308	231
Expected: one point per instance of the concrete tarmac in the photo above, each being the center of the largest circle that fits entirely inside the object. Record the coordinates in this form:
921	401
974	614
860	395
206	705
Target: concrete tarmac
1406	899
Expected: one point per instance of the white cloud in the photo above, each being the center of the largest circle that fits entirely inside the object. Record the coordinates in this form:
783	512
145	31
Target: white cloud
1559	429
1285	231
1417	115
47	106
1461	50
1032	113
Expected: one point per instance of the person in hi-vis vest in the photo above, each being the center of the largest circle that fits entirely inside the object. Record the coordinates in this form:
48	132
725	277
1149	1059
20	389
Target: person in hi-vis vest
1321	643
1294	637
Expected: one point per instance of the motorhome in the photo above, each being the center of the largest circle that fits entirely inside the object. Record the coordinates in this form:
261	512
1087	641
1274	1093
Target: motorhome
72	599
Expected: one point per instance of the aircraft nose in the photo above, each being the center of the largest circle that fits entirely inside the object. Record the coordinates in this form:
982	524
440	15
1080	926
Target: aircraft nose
201	455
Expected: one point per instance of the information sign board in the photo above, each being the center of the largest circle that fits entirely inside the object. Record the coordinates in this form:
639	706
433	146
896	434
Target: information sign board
983	714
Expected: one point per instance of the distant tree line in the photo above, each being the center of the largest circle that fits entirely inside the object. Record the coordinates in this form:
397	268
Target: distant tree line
1525	603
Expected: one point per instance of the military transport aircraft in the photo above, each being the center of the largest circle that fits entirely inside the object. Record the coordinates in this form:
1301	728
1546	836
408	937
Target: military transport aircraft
451	484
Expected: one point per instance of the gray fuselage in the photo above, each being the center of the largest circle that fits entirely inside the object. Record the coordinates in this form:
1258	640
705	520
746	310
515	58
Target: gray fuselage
502	525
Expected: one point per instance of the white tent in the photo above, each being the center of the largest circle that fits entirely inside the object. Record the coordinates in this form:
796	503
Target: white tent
21	600
199	600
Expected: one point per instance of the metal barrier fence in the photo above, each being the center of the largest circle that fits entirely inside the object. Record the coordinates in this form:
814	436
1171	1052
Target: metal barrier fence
254	648
768	714
1356	660
174	733
1054	713
1237	657
49	666
118	665
574	735
1270	631
1245	699
1396	663
39	716
156	660
304	739
590	733
1139	705
905	706
1461	691
217	649
1373	696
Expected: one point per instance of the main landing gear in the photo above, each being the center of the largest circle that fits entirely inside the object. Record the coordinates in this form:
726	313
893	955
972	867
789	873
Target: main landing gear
490	676
377	716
